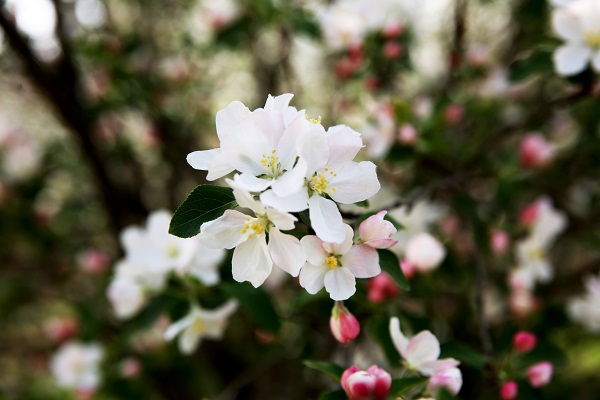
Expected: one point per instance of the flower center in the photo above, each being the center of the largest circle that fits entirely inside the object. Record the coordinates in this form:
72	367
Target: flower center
320	182
271	162
255	225
592	39
198	326
314	121
537	254
172	251
331	261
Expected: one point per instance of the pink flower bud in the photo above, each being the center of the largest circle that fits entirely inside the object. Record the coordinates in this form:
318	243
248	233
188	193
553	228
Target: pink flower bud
499	241
407	134
408	269
524	341
424	252
130	367
392	50
540	374
344	326
454	113
535	151
381	288
522	302
344	69
93	261
377	232
509	390
374	383
529	214
60	329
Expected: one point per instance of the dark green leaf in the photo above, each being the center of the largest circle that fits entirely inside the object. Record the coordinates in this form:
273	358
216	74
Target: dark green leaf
465	354
536	62
444	394
205	203
257	303
364	203
379	328
335	395
390	264
305	217
403	385
331	369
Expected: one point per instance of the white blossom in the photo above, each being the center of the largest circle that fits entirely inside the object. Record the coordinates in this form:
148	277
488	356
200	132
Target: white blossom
76	366
585	309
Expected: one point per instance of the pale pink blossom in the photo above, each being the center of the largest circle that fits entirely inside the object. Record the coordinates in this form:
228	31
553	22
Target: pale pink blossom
424	252
336	266
499	241
377	232
407	134
450	379
540	374
77	366
535	151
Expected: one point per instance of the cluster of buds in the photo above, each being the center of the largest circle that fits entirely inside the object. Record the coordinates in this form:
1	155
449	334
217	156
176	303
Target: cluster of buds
372	384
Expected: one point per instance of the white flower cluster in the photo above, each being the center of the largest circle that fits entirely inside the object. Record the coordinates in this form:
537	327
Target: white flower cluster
586	309
285	163
151	254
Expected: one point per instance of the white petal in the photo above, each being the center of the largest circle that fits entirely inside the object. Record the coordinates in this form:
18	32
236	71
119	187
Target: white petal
400	341
251	183
341	248
224	232
219	166
571	59
313	147
278	103
243	197
175	328
344	145
356	182
362	261
158	225
200	159
251	261
326	219
596	61
313	249
567	26
286	251
312	277
189	341
423	347
283	221
340	283
292	181
229	118
295	202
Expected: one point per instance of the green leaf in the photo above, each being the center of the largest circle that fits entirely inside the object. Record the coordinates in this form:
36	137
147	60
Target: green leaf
403	385
256	303
465	354
305	217
335	395
444	394
378	327
390	264
205	203
331	369
539	60
363	204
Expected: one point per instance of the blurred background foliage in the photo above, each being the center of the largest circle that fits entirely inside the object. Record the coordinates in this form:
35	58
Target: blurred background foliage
96	119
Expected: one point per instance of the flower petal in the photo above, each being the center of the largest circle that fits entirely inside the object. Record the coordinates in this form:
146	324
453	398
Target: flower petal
312	277
344	145
295	202
340	283
341	248
362	261
571	59
243	197
189	340
326	219
229	117
423	347
175	328
251	183
400	341
292	181
225	231
251	261
313	147
200	159
567	26
278	103
596	61
219	166
283	221
286	251
356	182
313	249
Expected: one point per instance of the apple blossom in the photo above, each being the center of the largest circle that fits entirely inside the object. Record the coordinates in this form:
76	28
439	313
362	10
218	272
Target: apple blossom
535	151
586	309
578	24
424	252
524	342
421	353
336	266
253	258
509	390
450	379
130	367
407	134
200	323
344	326
377	232
416	219
126	296
61	328
381	288
76	366
540	374
374	383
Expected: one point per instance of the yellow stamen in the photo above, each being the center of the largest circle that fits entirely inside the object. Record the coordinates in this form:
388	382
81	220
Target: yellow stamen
198	326
331	262
592	39
172	251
